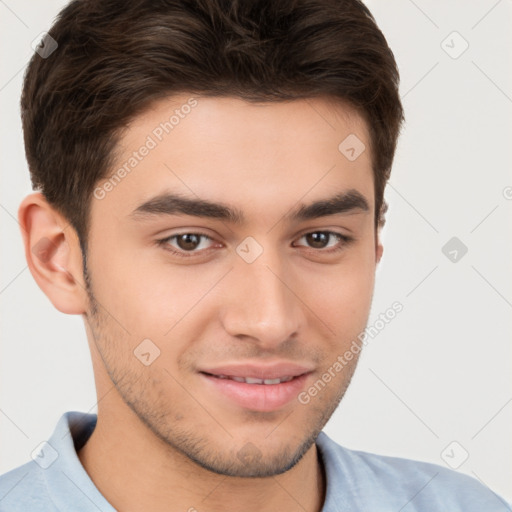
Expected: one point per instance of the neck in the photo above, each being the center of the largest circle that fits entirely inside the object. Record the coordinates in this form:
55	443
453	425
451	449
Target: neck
136	471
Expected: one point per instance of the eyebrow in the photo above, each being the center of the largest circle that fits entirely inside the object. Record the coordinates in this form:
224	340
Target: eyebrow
347	202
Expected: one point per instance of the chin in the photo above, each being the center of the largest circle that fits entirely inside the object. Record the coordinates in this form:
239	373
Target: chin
242	459
250	462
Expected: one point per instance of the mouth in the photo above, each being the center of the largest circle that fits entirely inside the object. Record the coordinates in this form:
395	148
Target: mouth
257	388
253	380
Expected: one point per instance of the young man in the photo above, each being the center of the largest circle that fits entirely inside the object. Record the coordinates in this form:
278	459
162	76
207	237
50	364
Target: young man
211	178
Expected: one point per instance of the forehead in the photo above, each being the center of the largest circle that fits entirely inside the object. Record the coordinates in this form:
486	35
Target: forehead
264	156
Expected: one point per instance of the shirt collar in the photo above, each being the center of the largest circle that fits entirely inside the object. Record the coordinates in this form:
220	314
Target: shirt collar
67	479
68	483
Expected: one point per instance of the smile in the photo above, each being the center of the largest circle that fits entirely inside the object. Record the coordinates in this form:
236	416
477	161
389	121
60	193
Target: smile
255	380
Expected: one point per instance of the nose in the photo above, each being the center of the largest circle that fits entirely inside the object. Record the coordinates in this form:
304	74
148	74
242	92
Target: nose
262	305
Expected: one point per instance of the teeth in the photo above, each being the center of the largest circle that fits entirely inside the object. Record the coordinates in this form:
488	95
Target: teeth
251	380
254	380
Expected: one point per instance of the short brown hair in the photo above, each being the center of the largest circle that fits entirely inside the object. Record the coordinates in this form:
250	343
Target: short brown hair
115	57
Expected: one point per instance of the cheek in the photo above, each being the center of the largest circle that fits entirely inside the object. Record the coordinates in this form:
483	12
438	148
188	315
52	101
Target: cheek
151	297
156	301
143	294
342	295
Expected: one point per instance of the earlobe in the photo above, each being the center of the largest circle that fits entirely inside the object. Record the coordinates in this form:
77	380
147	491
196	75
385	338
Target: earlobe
53	254
379	249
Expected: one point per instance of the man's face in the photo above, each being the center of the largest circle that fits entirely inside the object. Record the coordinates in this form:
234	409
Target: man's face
269	296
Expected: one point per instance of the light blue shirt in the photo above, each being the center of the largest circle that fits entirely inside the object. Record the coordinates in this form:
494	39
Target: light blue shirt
55	480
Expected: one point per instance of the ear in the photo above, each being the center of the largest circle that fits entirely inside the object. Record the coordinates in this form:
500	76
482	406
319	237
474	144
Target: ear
379	248
53	254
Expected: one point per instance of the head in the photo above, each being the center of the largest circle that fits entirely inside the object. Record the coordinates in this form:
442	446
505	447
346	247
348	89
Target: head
210	180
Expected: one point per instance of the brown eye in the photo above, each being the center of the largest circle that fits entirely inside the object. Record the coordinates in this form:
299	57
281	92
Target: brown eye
318	240
188	241
186	244
321	240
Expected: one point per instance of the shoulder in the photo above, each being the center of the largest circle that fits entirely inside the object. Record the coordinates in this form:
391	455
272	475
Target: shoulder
407	484
54	480
24	488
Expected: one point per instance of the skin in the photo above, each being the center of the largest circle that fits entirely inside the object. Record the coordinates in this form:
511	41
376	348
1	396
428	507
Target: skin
164	440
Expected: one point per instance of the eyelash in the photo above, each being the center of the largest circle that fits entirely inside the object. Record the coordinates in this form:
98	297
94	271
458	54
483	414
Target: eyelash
344	241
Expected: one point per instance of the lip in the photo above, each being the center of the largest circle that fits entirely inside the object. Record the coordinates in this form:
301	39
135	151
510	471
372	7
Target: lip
257	397
259	371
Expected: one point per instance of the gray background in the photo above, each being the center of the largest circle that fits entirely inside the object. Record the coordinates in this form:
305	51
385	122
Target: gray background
441	370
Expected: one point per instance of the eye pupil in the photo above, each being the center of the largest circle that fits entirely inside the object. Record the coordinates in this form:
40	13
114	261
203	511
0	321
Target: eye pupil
190	240
316	238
